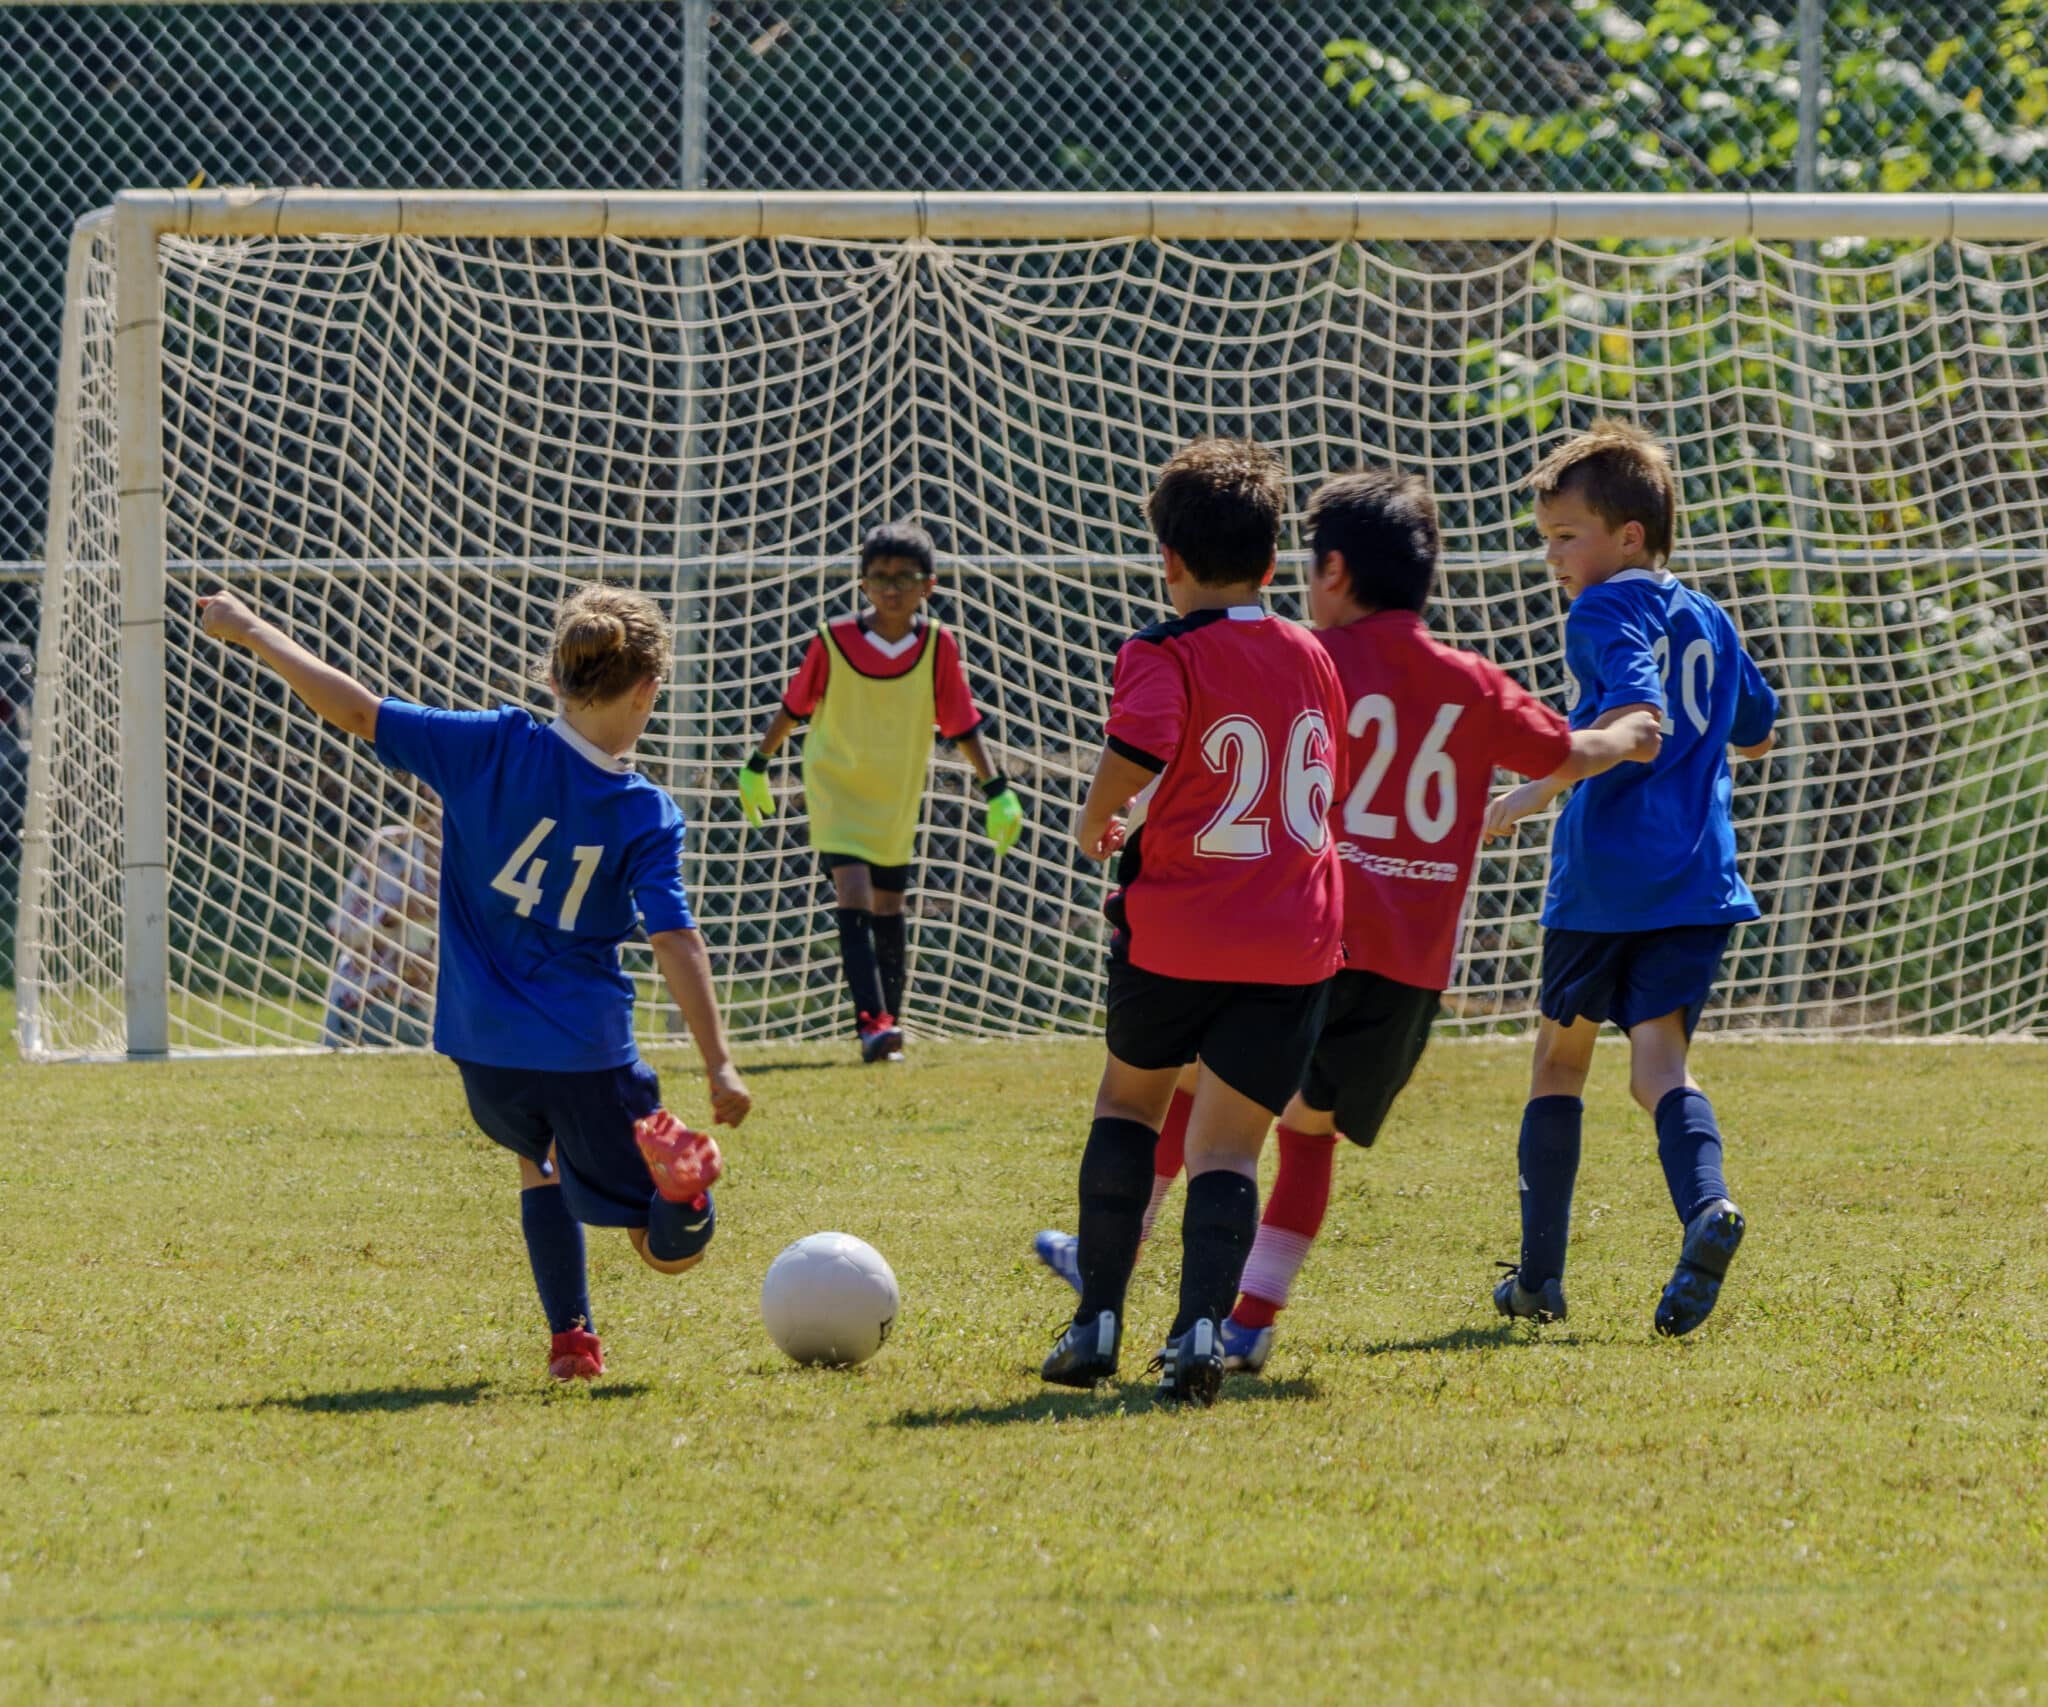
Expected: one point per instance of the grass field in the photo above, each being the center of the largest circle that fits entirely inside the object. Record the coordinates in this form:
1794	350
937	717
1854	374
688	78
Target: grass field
276	1426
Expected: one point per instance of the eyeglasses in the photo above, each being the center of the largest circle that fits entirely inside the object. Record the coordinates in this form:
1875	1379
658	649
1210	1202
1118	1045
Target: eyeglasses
904	582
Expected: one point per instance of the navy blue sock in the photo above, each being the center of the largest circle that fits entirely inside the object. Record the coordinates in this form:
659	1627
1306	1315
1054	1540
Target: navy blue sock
1116	1184
857	957
678	1230
554	1245
1549	1158
1689	1146
1216	1231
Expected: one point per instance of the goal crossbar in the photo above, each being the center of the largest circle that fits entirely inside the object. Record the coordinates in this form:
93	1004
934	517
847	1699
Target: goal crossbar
965	216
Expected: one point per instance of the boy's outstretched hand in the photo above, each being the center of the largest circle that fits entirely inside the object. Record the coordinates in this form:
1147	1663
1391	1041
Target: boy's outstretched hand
225	617
1005	819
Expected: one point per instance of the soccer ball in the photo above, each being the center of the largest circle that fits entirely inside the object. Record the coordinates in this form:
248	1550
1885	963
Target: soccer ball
829	1298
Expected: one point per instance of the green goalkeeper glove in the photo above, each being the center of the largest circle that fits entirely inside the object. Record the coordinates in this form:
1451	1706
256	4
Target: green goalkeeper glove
1005	814
755	799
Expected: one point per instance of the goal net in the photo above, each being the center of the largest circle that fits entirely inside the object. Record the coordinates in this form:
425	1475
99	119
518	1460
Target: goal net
407	442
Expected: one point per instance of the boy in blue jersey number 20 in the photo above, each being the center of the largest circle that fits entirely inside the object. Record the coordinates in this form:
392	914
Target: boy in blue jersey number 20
553	848
1644	889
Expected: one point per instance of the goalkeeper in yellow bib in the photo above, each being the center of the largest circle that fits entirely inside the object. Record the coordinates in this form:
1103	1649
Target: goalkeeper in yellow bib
873	688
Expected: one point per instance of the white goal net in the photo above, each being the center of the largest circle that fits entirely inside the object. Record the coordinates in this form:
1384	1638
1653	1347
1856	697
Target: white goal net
408	442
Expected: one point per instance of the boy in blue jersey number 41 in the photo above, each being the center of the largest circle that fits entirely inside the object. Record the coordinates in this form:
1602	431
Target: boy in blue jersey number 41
553	849
1644	889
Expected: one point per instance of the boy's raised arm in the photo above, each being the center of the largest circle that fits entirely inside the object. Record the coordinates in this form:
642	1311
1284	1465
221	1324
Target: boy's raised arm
334	694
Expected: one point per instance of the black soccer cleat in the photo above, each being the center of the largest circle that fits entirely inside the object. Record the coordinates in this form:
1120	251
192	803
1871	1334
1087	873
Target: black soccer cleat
1085	1352
1190	1365
1544	1304
1711	1241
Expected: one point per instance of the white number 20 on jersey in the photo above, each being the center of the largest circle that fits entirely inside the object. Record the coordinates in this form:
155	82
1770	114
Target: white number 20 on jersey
520	876
1236	746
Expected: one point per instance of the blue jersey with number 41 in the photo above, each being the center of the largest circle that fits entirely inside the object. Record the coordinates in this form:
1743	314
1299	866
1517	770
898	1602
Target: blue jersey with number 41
1647	847
551	849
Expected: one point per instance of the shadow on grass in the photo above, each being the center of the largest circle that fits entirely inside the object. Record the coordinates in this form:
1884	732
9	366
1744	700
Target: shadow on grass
1458	1339
1125	1398
392	1400
372	1399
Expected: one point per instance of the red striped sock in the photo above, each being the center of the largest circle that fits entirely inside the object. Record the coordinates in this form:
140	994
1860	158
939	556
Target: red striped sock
1294	1215
1168	1155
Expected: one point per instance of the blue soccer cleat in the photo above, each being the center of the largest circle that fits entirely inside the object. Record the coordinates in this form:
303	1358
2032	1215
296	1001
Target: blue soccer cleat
1060	1252
1512	1298
1711	1241
1190	1365
1245	1350
1085	1352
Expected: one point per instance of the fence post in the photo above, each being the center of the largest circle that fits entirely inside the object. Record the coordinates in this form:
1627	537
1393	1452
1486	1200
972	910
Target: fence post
687	688
138	367
1808	815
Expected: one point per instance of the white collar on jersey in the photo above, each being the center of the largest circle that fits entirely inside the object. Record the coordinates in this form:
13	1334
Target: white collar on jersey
1662	577
1246	613
891	649
616	762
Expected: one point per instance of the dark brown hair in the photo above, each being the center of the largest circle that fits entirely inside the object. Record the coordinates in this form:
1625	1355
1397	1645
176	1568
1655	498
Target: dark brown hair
1218	506
1384	521
1622	475
608	640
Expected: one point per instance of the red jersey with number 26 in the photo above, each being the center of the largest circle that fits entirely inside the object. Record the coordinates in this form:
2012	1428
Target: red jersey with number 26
1425	726
1232	878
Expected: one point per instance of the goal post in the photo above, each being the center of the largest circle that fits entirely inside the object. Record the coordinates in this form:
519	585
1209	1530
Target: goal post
407	422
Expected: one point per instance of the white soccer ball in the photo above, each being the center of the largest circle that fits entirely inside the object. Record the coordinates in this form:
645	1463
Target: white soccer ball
830	1298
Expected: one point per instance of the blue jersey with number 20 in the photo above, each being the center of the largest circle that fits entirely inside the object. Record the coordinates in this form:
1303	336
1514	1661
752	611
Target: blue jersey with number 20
1648	847
550	849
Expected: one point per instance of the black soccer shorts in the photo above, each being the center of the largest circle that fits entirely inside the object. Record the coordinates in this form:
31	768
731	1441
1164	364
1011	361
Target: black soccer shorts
1256	1038
1372	1037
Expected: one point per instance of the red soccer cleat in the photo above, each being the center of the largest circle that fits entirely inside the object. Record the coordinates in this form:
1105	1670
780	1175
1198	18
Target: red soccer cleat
685	1164
881	1038
575	1355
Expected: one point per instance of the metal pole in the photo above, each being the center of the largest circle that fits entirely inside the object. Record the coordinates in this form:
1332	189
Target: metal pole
138	368
686	686
1808	815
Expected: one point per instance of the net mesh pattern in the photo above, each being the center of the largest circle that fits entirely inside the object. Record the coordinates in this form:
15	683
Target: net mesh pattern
408	450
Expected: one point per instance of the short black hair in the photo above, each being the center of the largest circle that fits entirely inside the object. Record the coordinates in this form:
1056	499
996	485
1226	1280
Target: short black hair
1384	521
1217	507
899	539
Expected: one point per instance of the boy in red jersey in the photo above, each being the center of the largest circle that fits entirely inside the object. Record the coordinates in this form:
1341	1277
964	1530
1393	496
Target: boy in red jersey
1426	726
1228	915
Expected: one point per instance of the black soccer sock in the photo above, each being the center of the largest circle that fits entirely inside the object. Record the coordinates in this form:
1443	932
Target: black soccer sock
1116	1180
892	950
857	957
1216	1232
1548	1155
554	1246
678	1230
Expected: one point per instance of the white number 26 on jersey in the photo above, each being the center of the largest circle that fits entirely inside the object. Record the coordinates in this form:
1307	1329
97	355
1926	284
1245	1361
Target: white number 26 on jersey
520	876
1236	746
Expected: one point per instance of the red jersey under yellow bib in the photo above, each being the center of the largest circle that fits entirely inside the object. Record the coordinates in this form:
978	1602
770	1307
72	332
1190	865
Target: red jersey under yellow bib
873	706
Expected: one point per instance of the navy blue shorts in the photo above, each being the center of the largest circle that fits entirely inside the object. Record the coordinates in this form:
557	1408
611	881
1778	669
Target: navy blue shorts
1630	976
587	1118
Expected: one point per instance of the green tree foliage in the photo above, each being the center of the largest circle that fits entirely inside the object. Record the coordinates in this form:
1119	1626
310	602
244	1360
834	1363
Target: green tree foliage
1682	94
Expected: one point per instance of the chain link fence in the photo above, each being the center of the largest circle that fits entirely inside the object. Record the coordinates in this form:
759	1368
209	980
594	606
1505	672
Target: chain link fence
1433	95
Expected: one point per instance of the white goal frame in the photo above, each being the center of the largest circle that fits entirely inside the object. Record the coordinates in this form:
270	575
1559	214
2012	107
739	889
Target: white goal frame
140	219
